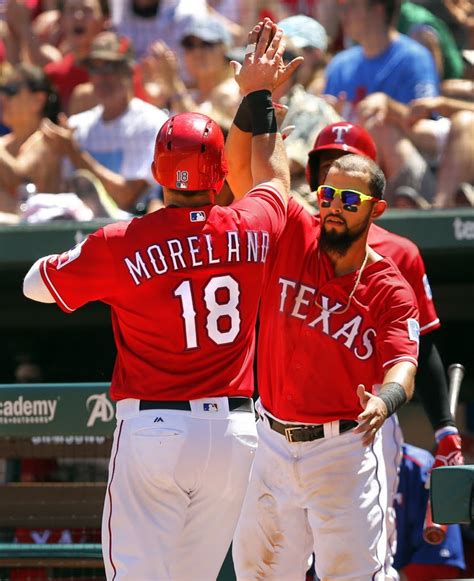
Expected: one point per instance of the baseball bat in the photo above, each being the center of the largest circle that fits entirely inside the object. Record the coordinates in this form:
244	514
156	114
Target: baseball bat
456	375
434	533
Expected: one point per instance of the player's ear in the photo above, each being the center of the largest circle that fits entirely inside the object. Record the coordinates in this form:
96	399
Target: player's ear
153	170
378	209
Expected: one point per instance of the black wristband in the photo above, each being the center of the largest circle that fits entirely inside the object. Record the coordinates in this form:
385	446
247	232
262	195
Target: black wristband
243	119
393	395
262	112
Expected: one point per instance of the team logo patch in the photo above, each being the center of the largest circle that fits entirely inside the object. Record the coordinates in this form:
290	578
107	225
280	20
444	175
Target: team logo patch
197	216
340	132
413	330
182	179
210	407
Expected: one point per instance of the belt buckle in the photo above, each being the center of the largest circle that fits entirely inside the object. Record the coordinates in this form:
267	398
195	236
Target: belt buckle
289	433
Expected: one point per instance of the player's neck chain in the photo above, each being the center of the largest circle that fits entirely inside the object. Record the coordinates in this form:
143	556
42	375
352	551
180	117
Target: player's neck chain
354	288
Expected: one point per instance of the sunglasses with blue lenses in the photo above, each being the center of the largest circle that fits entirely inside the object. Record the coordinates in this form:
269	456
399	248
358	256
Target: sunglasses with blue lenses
351	199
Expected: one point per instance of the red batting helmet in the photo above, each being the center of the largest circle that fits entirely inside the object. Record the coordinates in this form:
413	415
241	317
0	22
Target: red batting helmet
347	137
189	154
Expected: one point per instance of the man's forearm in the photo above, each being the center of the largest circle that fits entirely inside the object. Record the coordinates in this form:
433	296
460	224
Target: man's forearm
238	148
117	187
397	113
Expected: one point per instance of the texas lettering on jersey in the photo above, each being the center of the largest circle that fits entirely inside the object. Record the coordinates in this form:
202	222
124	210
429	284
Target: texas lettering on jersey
194	251
350	331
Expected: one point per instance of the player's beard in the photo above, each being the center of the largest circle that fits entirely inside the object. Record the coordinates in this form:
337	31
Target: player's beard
340	242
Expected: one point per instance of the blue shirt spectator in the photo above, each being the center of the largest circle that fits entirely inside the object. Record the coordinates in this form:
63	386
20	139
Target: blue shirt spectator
404	71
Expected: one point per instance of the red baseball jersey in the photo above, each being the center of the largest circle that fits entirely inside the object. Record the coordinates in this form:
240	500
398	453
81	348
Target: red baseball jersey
311	359
184	286
409	262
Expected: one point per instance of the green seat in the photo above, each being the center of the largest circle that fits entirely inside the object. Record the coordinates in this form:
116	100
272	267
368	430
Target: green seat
452	494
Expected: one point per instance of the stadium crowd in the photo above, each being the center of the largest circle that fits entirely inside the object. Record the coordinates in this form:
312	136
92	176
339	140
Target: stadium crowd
85	85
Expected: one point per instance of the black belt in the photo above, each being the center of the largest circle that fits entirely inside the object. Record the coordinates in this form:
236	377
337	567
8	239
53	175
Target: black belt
236	404
306	433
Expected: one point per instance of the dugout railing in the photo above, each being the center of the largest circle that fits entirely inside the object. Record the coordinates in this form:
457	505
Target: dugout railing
72	423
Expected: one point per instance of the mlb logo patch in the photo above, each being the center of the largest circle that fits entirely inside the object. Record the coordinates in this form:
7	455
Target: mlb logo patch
197	216
210	407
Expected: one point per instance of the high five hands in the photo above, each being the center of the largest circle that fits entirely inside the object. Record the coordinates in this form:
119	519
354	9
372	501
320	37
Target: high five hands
263	66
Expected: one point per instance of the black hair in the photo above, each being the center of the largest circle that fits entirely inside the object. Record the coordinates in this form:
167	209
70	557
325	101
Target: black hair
392	10
37	81
353	163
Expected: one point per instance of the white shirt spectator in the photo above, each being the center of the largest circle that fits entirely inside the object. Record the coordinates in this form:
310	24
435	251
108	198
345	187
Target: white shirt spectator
124	145
166	26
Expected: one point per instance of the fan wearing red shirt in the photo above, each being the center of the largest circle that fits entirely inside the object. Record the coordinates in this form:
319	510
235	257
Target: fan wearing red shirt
183	284
337	354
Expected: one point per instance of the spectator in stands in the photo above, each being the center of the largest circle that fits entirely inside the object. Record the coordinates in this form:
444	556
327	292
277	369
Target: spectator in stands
415	559
430	31
455	176
384	63
308	36
114	140
80	22
145	21
27	98
463	13
301	114
205	42
77	23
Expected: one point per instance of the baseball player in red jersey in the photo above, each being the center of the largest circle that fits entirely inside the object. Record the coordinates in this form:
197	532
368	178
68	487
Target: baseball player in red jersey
335	316
183	284
334	141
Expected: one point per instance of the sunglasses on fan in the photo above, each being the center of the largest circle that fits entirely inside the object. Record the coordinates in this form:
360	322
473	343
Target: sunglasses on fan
351	199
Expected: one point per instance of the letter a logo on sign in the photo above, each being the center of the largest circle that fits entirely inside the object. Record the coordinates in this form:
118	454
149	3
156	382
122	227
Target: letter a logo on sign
340	131
101	410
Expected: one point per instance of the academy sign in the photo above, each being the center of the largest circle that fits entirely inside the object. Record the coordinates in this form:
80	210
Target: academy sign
27	411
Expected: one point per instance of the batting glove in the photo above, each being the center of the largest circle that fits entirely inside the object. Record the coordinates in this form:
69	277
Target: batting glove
448	451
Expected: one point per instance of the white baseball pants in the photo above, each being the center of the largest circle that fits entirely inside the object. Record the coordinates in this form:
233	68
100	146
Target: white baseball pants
392	440
328	495
177	480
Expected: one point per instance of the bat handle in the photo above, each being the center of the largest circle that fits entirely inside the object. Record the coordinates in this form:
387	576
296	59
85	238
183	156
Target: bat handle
433	533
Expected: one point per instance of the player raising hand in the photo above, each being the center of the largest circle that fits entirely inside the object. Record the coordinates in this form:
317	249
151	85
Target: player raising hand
184	284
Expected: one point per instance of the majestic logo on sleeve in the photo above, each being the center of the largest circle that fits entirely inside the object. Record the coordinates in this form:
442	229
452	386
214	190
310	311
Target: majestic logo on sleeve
348	332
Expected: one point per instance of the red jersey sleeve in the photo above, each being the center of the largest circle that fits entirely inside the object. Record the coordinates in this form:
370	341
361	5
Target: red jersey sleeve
418	279
409	261
264	207
83	274
399	331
